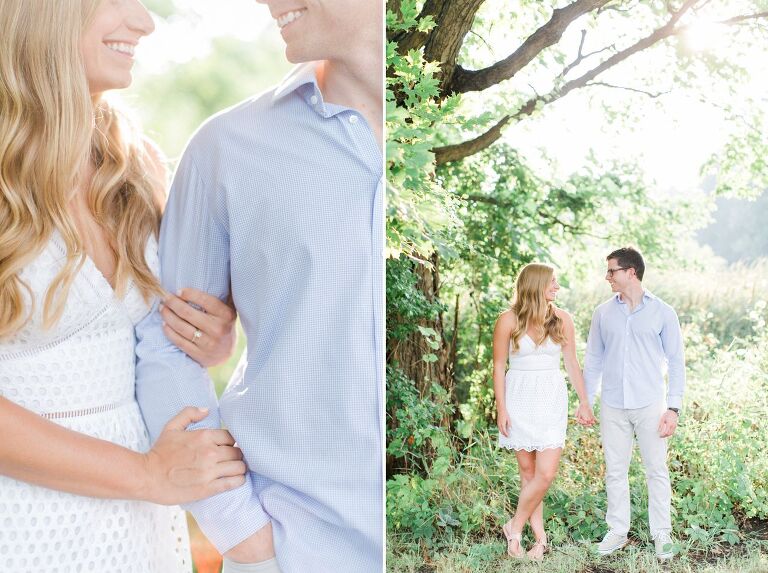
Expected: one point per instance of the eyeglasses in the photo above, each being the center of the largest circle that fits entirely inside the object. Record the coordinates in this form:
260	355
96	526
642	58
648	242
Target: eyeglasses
611	272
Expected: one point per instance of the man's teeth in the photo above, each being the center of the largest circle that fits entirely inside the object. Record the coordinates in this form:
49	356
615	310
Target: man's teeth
120	47
286	19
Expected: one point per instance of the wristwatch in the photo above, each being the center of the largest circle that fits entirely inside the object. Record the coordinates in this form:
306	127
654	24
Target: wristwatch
675	410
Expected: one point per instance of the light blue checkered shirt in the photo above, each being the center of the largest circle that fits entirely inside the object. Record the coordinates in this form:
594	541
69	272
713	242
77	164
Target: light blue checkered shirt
281	198
630	352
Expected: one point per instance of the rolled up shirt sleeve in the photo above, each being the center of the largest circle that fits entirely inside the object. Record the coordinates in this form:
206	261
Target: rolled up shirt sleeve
194	252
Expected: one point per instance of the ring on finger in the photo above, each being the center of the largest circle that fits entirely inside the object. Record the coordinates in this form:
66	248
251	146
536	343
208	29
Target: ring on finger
197	335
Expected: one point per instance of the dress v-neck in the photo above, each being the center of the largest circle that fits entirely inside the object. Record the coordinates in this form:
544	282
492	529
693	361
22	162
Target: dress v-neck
94	275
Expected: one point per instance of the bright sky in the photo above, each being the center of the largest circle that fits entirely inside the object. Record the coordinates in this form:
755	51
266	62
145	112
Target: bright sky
181	39
676	133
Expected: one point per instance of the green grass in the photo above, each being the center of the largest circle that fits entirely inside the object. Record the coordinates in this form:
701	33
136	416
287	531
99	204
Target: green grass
489	555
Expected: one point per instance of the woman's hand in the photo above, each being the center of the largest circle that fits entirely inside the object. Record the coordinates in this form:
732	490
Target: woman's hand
209	335
185	466
584	415
503	422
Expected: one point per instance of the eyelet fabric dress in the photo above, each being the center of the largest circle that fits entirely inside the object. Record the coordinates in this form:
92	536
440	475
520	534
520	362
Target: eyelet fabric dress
536	397
80	374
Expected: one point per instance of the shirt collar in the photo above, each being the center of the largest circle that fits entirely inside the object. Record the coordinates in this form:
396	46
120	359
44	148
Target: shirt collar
647	295
301	75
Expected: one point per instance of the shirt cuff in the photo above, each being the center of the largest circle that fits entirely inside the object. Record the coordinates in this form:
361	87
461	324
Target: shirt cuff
230	517
675	402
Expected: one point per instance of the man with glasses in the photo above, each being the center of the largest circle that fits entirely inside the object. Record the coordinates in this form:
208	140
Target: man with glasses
634	335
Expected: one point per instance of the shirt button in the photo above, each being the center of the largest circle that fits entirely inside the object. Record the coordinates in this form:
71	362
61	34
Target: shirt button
313	100
353	119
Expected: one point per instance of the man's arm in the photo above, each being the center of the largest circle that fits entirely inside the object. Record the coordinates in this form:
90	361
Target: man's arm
194	252
593	358
672	344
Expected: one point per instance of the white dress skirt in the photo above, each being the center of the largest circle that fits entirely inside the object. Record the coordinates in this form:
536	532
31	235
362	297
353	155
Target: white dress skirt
80	374
536	397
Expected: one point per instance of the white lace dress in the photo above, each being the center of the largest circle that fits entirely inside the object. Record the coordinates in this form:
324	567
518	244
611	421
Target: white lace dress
536	397
80	374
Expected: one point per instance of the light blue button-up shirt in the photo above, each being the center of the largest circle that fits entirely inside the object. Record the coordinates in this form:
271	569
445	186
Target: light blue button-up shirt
278	200
630	351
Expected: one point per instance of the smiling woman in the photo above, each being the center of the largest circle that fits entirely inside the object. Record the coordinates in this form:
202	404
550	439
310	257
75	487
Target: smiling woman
109	42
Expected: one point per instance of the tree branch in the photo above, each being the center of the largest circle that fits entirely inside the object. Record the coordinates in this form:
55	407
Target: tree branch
580	56
614	9
459	151
575	229
651	95
547	35
743	18
465	149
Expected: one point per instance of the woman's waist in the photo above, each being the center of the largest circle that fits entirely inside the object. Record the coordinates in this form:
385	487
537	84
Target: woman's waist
539	365
118	421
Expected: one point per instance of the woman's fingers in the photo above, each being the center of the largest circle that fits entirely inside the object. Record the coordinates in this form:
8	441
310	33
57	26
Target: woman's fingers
231	468
187	346
197	319
187	465
229	454
214	325
209	303
220	437
225	484
180	326
187	416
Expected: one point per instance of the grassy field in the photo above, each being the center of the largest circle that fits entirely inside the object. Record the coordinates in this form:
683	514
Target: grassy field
489	555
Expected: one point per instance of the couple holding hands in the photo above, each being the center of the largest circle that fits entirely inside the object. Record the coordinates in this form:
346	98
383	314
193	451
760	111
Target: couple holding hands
633	338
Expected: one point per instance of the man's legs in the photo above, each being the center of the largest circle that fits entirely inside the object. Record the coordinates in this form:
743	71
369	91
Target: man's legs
617	436
653	451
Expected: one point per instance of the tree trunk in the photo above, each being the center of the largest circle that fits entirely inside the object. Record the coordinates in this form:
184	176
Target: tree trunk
409	353
454	21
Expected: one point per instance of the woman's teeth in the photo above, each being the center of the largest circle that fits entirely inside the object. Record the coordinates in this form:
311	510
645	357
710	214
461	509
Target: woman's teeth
127	49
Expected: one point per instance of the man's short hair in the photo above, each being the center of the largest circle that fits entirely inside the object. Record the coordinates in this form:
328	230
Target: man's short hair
629	257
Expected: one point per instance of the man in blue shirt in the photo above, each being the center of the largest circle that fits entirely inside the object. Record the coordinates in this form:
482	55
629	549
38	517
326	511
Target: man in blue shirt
278	202
633	338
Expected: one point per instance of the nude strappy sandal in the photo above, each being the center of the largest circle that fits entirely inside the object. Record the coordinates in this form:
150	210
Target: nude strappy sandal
511	536
544	548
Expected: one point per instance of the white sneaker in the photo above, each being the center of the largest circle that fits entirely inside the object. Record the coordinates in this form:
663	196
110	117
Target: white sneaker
611	542
663	543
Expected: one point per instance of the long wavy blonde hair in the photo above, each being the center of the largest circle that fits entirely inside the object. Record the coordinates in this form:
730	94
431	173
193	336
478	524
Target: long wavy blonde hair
532	308
50	127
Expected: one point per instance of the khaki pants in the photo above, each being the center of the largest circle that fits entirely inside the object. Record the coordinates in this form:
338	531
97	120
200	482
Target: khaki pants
268	566
618	427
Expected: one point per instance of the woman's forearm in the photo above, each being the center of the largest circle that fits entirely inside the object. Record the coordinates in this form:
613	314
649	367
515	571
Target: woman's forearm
499	385
576	377
35	450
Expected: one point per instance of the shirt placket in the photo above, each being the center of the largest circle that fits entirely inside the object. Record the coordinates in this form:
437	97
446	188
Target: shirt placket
629	397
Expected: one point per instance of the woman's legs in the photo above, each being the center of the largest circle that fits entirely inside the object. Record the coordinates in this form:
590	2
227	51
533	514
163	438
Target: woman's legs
532	493
527	466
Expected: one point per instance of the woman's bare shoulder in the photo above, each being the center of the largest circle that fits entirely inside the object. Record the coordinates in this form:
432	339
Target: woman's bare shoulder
507	320
563	315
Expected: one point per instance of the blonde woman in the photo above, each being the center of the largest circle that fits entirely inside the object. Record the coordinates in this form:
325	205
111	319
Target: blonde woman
531	398
80	203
